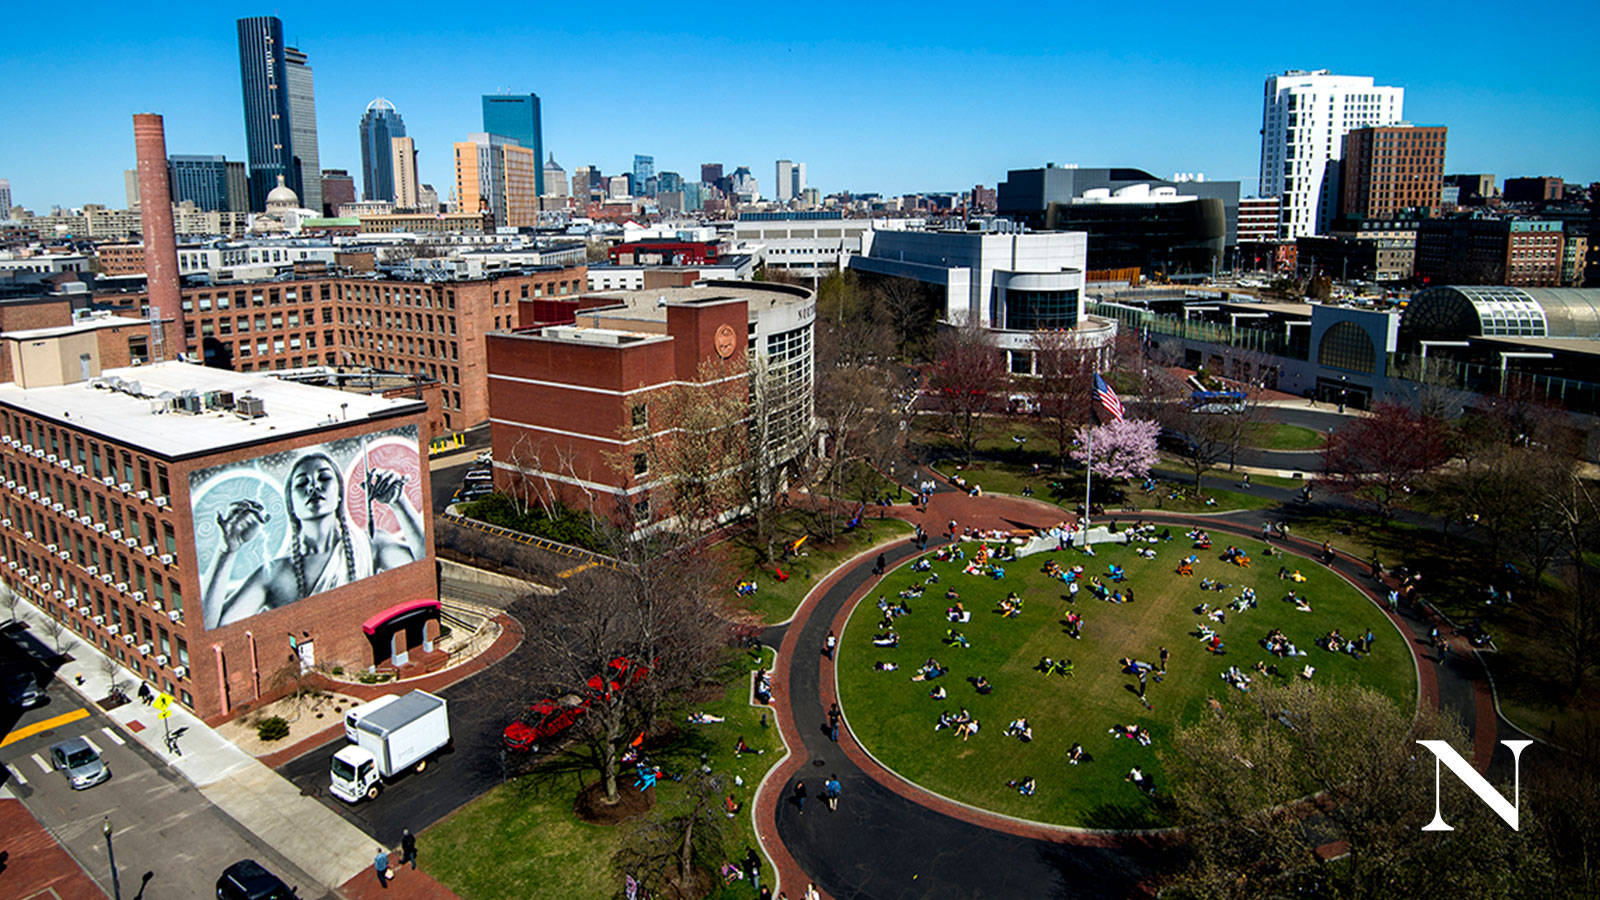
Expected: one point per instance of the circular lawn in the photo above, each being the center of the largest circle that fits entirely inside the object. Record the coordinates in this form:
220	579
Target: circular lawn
894	717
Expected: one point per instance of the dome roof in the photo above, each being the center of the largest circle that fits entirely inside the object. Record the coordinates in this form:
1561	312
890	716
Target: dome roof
380	105
283	194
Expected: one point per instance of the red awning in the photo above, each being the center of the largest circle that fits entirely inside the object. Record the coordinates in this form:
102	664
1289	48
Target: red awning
372	625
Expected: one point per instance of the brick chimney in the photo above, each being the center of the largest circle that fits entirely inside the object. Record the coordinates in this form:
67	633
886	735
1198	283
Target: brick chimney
155	217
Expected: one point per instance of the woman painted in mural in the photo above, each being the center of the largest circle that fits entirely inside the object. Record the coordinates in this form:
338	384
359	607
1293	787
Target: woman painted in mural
324	550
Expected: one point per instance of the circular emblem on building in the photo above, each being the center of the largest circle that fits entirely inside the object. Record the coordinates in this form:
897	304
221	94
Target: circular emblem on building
726	341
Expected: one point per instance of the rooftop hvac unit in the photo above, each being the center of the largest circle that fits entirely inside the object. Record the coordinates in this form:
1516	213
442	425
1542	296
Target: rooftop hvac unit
131	387
180	672
251	407
225	399
128	639
188	402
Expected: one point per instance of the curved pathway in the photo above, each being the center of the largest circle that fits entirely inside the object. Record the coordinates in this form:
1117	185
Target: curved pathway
892	839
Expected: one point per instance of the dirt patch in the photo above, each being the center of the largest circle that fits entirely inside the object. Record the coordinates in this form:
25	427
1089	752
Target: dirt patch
591	805
306	716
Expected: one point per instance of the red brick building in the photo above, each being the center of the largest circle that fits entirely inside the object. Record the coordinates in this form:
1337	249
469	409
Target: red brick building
112	492
434	328
1391	169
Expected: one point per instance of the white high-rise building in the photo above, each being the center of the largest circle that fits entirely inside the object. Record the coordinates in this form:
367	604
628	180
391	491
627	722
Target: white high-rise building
791	180
1304	118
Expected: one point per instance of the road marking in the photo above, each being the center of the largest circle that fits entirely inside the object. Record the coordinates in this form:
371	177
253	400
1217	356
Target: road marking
92	745
17	774
43	766
46	725
113	736
576	569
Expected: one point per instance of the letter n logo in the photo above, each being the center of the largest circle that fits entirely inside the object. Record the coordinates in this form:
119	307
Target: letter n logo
1444	754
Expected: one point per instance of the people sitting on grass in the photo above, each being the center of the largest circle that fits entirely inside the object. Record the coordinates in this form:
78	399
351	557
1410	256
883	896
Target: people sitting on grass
1278	644
1215	645
1285	573
1301	604
886	638
930	670
1010	607
1146	552
731	806
1097	588
883	666
1141	781
1076	754
1131	732
957	613
1075	625
1054	666
1186	569
967	729
1116	572
1202	540
1020	729
946	720
763	680
1236	678
1132	666
1245	600
937	693
954	638
913	592
981	684
1308	671
1024	785
745	588
921	565
1218	615
952	594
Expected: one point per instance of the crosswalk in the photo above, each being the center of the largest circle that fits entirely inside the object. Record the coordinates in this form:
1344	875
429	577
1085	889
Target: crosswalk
39	761
112	736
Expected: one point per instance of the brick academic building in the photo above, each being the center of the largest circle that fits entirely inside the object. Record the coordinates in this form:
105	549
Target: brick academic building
432	327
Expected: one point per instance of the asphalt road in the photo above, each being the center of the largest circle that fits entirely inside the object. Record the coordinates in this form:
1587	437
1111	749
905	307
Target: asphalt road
169	840
480	708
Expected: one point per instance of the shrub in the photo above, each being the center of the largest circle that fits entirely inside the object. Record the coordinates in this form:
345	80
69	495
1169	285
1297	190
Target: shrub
272	728
337	670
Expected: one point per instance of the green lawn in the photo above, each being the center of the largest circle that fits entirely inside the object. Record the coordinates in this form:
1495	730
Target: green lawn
774	600
894	716
522	840
1067	490
1277	436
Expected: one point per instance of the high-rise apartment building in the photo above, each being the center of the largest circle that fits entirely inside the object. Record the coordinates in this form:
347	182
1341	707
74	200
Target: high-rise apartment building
380	125
130	187
403	162
338	188
517	116
644	171
1390	169
496	175
1258	219
303	125
1304	118
555	179
268	124
710	173
201	180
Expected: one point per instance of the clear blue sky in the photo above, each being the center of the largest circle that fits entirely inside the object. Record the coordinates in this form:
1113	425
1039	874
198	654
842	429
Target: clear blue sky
891	98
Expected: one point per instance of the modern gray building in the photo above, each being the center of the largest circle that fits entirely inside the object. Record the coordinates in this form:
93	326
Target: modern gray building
268	124
238	187
517	116
380	124
201	180
303	126
644	173
1026	194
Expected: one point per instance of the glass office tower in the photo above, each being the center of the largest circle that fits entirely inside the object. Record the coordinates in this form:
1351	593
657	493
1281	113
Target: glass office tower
516	116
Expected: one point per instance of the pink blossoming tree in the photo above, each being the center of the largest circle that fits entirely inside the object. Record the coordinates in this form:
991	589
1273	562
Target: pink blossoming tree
1125	449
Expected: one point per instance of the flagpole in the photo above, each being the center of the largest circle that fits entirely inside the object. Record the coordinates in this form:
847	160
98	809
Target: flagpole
1088	477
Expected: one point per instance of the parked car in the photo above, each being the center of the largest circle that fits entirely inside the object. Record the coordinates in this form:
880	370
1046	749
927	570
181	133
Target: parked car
81	763
249	880
24	691
543	722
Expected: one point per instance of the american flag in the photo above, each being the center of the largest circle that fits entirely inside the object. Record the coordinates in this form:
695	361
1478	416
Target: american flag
1108	399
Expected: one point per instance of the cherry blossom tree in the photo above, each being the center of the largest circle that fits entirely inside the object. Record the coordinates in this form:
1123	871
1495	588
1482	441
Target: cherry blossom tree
1122	449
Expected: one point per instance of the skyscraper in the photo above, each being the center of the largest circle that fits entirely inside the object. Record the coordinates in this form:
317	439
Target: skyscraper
1392	169
644	171
555	178
1304	118
586	181
130	187
404	165
496	175
303	126
710	173
268	133
238	187
783	184
380	125
201	180
516	116
5	198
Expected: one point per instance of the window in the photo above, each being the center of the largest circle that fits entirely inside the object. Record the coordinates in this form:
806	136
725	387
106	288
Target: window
1346	346
641	463
641	415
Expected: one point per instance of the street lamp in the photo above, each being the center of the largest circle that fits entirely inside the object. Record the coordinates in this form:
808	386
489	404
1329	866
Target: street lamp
116	886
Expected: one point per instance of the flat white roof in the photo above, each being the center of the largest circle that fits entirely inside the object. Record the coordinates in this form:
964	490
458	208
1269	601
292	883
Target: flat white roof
291	408
94	323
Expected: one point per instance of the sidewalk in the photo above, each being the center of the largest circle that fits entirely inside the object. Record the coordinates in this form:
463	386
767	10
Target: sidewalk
35	865
308	834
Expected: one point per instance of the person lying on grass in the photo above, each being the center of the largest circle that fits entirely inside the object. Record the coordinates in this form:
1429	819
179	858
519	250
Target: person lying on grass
1020	729
930	670
1132	732
1075	754
1024	785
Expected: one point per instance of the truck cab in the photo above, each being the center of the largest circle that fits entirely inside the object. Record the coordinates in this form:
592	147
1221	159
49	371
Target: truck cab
354	774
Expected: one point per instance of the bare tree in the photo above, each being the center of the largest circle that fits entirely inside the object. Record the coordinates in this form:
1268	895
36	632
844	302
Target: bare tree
55	629
9	599
664	854
696	445
1378	458
860	423
967	374
1063	386
1204	440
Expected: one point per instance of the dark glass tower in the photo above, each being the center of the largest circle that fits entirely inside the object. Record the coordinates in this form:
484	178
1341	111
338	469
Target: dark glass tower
264	75
202	180
379	126
516	116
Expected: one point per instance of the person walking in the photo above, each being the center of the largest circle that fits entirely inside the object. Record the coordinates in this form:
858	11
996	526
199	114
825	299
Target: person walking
881	564
1141	684
811	891
380	864
799	796
829	644
408	847
834	715
752	868
1164	654
831	789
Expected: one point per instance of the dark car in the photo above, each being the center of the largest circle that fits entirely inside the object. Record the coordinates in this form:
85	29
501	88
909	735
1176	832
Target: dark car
248	880
541	723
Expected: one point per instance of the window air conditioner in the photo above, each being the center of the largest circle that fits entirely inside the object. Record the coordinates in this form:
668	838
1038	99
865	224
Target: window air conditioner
72	514
100	527
58	594
99	620
116	534
176	615
166	559
138	596
180	672
155	606
161	659
56	507
122	587
128	639
161	502
124	487
77	470
50	457
112	629
131	541
143	495
107	480
149	550
144	649
66	554
84	519
50	547
105	577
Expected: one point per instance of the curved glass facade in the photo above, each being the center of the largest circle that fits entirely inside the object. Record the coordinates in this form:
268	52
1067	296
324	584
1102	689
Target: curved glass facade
1040	310
1346	345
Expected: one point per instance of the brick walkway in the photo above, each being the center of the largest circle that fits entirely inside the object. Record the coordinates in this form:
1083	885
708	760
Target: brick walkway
35	865
406	885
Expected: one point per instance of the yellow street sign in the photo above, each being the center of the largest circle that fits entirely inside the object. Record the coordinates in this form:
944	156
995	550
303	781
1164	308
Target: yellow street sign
164	713
163	704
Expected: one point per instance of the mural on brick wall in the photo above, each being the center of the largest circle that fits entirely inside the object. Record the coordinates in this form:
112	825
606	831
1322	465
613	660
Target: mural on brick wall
285	526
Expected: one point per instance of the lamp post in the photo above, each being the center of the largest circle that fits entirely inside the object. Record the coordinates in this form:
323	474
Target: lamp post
116	886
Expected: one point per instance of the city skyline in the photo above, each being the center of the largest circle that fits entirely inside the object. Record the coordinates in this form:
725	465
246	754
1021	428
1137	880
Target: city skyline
1186	100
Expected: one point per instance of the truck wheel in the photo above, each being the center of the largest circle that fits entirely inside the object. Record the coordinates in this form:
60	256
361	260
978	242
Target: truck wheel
372	792
421	766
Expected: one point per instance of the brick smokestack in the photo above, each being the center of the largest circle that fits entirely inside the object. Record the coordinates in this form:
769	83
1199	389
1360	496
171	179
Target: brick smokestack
155	218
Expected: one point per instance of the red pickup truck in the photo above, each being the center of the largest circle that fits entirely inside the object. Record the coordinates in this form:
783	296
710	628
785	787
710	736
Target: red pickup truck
545	720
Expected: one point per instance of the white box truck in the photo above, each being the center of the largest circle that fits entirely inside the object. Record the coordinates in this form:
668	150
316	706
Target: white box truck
399	735
357	713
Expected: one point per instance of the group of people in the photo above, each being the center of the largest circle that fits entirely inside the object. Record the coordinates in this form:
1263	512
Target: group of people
1237	556
962	723
1358	647
1278	644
